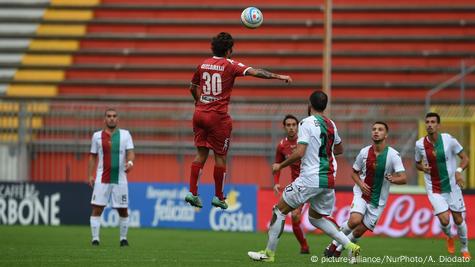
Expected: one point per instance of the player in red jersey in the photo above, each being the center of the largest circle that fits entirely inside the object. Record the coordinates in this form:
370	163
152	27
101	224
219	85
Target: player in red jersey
285	148
211	88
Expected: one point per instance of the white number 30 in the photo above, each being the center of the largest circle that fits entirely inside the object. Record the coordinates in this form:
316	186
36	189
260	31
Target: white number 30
212	83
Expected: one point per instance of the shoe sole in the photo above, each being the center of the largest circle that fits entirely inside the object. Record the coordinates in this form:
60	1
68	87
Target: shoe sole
193	203
219	206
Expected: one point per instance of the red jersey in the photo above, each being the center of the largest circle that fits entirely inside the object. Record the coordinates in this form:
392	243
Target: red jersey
215	78
284	149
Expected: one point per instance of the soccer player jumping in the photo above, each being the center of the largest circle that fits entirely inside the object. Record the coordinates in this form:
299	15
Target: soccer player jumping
211	88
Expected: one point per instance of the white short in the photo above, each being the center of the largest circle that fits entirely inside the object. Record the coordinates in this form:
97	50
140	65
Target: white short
370	213
118	193
322	200
444	201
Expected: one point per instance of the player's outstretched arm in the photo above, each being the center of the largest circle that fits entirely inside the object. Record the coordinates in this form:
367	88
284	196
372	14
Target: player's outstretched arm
296	155
264	74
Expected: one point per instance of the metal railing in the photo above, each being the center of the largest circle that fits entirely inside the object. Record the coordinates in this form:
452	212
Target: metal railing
49	139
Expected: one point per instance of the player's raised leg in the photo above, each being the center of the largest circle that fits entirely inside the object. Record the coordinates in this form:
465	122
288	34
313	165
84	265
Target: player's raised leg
321	206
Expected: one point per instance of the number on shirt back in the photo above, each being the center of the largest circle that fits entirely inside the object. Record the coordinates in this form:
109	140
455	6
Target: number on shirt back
212	83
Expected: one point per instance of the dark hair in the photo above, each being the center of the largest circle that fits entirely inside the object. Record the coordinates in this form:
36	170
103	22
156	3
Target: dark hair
318	99
221	43
433	114
382	123
289	116
109	109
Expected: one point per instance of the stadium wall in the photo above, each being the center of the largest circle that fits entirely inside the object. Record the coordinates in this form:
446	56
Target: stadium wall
150	205
162	205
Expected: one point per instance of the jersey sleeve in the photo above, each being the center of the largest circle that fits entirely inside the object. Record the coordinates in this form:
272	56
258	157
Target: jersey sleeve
455	145
304	133
417	154
196	77
130	144
94	145
239	69
396	162
358	164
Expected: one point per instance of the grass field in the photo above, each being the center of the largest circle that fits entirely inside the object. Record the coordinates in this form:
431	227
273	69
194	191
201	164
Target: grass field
70	246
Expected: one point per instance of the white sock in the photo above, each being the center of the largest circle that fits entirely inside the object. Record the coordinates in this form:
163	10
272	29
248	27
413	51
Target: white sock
330	229
339	248
345	228
352	238
462	232
275	229
446	229
95	222
124	227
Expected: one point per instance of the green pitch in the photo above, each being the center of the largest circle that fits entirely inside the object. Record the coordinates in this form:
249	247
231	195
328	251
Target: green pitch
70	246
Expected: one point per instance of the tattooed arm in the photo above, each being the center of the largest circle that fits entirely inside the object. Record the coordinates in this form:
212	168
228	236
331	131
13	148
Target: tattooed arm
264	74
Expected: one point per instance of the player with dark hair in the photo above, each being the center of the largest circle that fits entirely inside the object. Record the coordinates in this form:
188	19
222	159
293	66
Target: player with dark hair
436	156
317	144
285	148
211	88
376	167
113	150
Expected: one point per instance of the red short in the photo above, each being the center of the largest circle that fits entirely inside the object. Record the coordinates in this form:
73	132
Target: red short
212	130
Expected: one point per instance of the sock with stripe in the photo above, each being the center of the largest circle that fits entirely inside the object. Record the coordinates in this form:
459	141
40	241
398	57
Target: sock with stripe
196	169
219	178
275	229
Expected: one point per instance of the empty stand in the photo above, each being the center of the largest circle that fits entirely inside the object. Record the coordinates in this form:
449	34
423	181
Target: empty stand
387	51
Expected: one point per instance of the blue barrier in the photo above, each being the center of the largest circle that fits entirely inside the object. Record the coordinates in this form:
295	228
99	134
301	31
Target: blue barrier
163	205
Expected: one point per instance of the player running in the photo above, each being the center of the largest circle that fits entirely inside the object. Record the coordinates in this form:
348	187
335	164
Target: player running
376	167
436	156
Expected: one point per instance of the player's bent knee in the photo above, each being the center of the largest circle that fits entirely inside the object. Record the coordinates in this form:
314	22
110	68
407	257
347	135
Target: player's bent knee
458	218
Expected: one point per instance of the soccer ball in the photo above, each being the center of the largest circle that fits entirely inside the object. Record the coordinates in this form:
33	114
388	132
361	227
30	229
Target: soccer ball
252	17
